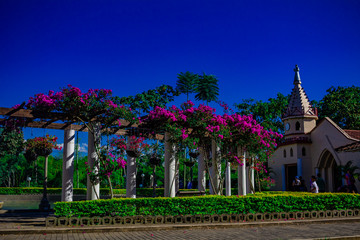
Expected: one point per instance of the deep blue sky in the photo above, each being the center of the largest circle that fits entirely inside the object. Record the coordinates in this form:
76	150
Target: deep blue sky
134	45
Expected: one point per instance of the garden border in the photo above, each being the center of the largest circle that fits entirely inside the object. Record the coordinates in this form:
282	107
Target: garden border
199	219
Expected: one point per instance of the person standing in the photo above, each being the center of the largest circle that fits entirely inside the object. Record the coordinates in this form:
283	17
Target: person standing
296	184
302	184
350	181
320	182
314	187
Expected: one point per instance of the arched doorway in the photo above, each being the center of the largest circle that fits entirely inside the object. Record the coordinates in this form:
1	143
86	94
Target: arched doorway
327	167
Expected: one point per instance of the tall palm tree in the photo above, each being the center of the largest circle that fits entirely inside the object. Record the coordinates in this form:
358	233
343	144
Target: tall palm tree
207	88
186	83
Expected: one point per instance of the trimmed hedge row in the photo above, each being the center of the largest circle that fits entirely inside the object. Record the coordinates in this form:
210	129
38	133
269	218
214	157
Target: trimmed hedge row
209	205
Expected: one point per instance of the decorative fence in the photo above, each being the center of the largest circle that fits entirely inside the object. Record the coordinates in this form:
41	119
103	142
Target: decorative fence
198	219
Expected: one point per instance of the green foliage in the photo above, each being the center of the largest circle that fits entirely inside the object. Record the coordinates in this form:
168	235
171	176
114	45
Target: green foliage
342	170
186	83
209	205
12	170
207	88
147	100
268	114
342	105
11	141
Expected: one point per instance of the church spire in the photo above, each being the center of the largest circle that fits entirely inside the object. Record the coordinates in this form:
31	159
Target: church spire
299	104
297	79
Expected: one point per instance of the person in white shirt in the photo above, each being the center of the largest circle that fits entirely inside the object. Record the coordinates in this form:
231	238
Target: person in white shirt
314	187
296	184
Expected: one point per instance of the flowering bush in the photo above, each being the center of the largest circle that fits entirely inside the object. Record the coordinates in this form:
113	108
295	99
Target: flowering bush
48	142
110	162
118	144
91	108
137	144
197	127
112	158
71	104
266	183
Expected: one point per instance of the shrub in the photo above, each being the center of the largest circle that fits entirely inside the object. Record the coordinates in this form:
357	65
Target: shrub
209	205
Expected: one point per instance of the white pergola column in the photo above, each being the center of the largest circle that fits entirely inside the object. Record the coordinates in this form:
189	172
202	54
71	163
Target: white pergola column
169	180
68	166
215	168
93	192
242	173
201	171
252	176
131	177
228	179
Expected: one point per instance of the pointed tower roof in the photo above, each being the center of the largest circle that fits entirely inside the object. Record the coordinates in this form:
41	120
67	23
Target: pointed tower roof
299	104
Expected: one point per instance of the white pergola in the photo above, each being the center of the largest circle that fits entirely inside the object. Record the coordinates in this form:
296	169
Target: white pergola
54	121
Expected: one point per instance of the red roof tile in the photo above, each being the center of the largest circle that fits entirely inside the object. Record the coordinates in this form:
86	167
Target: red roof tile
352	147
353	133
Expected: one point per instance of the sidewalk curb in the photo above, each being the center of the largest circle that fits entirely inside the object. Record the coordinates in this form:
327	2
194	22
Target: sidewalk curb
99	229
355	237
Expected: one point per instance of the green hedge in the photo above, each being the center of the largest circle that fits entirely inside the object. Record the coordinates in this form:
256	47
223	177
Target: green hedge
209	205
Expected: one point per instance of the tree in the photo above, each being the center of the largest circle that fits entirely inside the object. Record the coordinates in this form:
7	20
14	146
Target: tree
11	138
207	88
200	128
11	145
186	83
342	105
268	114
143	102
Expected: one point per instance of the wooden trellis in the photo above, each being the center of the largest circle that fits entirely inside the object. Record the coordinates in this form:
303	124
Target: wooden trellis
55	121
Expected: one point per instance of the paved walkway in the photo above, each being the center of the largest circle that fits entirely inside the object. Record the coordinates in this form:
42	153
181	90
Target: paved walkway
30	225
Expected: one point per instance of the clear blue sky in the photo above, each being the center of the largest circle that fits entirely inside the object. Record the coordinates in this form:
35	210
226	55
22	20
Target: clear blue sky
135	45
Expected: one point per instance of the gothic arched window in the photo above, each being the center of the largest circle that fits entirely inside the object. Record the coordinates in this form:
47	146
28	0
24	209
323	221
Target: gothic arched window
284	153
303	151
291	152
297	126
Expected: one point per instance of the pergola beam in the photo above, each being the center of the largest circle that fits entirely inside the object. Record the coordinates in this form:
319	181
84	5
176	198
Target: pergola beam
51	123
25	113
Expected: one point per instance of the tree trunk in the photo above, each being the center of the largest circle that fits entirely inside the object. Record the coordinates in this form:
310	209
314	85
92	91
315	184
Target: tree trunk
259	184
111	189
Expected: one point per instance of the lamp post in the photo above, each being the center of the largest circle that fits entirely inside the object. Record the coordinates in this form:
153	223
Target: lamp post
154	161
44	204
193	155
29	180
151	180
